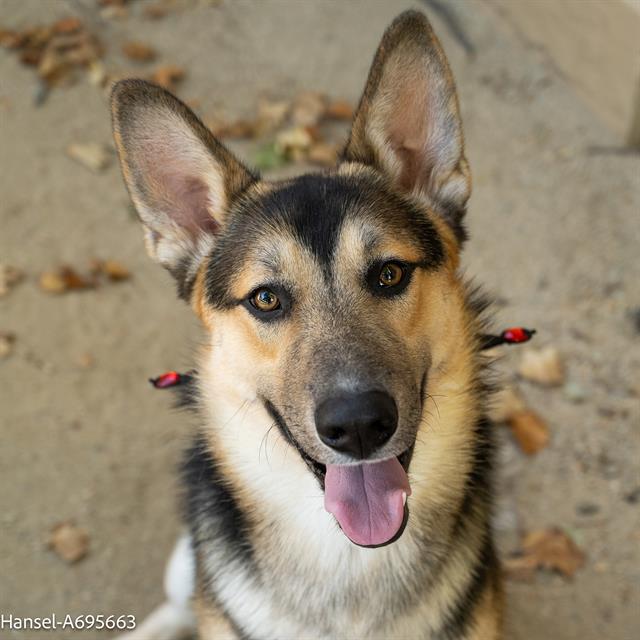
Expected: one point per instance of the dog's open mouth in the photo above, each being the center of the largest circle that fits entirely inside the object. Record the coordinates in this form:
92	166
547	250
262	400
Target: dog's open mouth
368	500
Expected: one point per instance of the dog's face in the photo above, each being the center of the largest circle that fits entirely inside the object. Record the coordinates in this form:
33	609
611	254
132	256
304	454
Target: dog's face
330	298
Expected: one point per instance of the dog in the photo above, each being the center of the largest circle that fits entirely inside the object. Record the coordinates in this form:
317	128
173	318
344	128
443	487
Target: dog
340	484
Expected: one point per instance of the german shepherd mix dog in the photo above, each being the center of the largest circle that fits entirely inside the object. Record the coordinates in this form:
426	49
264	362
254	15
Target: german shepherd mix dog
340	328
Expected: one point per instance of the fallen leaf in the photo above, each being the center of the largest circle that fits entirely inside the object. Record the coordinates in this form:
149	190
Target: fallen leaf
155	11
7	341
294	143
9	278
31	56
543	366
85	360
505	404
168	76
93	155
308	108
339	110
550	549
66	52
269	156
528	428
64	279
11	39
70	542
530	431
238	129
97	73
324	154
138	51
52	282
115	271
271	115
67	25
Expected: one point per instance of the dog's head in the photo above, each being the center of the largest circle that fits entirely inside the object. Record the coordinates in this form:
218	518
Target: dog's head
332	298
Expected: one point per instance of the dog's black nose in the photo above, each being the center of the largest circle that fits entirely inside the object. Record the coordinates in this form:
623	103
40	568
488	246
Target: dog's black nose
357	423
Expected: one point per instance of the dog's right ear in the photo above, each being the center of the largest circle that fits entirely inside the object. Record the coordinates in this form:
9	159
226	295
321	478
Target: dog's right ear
180	178
407	124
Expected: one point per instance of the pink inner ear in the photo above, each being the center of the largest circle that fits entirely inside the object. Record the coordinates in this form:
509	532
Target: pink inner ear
188	201
409	138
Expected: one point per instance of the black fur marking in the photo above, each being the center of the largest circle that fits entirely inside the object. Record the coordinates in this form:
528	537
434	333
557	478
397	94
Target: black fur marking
313	208
184	281
460	614
454	215
478	482
210	508
187	396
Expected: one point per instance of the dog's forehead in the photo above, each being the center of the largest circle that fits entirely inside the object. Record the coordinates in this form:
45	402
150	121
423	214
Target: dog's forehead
319	210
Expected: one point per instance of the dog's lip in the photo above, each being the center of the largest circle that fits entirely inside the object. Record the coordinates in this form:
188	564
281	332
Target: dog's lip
319	469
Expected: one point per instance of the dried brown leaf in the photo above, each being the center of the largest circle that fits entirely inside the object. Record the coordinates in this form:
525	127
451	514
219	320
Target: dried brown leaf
64	279
69	541
506	403
93	155
97	73
294	142
138	51
115	271
168	76
238	129
530	431
271	115
52	282
550	549
542	366
339	110
66	51
308	108
7	340
85	360
155	11
11	39
324	154
9	278
31	56
67	25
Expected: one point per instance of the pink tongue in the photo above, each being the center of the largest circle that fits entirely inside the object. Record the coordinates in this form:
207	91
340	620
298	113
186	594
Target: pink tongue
366	499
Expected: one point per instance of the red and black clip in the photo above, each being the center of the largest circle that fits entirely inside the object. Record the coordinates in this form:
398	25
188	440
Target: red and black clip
171	379
513	335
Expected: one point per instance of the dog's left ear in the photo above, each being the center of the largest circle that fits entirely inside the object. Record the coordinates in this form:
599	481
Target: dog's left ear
407	124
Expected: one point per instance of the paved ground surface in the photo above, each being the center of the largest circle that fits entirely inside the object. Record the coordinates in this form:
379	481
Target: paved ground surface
555	229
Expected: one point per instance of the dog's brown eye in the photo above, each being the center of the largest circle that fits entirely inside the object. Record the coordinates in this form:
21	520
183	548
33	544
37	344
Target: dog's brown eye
391	274
265	300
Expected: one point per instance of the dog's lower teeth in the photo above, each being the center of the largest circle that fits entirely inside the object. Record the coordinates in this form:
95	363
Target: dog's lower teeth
404	498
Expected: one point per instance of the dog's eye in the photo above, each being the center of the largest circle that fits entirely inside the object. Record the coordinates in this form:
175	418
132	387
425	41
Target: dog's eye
391	274
389	278
265	300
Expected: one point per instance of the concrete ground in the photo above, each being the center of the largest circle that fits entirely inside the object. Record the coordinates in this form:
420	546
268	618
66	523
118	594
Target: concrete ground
555	229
